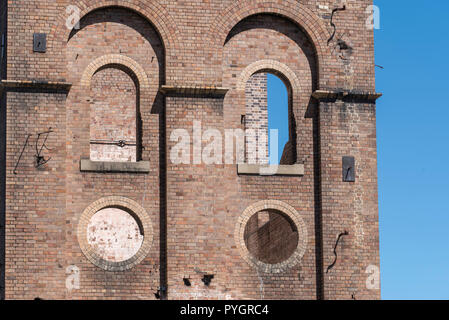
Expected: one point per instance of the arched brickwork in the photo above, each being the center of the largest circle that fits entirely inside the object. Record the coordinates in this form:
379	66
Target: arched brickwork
270	66
292	214
120	39
292	10
142	86
115	59
156	15
134	209
152	11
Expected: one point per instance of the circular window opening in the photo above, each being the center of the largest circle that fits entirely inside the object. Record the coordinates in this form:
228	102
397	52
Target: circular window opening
114	234
271	236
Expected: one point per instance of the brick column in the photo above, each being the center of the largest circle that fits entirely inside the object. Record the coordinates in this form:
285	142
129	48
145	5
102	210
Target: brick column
348	128
2	191
3	64
257	118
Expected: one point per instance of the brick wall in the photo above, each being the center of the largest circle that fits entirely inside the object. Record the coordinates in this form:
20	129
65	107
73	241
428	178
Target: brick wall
114	31
2	192
3	59
35	198
116	62
256	118
3	38
349	129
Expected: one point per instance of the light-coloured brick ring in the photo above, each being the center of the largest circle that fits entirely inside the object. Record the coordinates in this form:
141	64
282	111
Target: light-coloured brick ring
136	211
115	59
273	66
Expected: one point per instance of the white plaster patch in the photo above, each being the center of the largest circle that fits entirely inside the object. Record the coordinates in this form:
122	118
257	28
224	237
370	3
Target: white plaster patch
114	234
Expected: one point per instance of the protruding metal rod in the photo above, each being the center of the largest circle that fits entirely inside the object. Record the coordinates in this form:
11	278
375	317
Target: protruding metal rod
21	153
119	143
333	24
335	250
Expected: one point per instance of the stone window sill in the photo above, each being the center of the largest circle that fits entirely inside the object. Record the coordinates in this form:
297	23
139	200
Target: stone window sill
87	165
270	170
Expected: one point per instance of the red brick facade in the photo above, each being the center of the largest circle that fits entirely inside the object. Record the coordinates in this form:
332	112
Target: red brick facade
112	93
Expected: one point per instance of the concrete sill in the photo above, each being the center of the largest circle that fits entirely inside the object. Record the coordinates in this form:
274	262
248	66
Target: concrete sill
86	165
270	170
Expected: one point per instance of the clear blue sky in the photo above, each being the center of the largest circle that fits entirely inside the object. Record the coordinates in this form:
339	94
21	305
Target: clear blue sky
277	113
413	139
413	153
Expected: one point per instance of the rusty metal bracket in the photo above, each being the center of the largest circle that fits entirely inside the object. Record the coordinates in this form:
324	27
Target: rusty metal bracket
21	153
40	160
207	279
335	250
333	24
119	143
187	282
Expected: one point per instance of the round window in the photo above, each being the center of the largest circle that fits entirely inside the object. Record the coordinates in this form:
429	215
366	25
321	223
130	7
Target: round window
271	236
114	234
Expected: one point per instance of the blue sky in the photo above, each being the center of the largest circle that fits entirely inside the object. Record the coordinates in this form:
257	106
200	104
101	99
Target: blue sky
413	139
277	113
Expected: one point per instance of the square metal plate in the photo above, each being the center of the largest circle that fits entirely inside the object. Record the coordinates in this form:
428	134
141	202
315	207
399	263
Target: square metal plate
40	42
348	169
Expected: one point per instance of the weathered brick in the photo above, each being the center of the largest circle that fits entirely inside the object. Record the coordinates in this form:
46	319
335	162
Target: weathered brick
116	63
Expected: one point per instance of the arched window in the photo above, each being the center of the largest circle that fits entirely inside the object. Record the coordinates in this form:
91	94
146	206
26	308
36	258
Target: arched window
114	115
268	120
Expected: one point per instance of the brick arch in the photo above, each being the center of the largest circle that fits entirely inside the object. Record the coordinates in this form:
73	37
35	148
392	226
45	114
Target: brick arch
239	236
115	59
289	9
135	210
269	66
153	12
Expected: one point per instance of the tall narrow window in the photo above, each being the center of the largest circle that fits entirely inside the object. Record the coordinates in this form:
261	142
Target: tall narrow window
267	121
113	120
